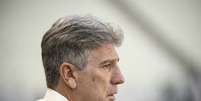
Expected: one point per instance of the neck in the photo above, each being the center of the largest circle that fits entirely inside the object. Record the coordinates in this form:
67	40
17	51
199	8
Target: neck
66	91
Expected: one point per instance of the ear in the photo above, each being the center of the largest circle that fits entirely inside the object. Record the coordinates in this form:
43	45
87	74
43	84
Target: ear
68	74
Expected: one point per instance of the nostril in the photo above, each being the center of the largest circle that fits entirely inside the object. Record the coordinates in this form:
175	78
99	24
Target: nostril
121	80
118	79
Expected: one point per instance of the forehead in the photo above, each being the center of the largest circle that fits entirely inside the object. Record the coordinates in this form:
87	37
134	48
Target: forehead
107	52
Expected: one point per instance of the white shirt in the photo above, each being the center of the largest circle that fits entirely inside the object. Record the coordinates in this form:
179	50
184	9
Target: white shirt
52	95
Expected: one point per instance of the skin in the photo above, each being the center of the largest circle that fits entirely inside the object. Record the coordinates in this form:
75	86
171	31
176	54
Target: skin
97	82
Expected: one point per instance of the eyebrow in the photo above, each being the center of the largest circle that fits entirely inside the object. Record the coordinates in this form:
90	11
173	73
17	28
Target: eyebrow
109	61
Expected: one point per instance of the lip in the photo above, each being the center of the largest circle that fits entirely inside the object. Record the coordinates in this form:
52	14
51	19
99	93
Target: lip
111	96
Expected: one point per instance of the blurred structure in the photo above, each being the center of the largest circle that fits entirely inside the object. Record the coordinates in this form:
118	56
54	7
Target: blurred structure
160	56
171	92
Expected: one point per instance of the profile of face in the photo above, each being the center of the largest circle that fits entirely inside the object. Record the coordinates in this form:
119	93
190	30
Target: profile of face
99	80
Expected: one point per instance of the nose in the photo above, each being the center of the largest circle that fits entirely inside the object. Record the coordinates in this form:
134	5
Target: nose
117	77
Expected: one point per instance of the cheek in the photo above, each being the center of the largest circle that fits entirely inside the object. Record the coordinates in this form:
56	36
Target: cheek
94	85
101	82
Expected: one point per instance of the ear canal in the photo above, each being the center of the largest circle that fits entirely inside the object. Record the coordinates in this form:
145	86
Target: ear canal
66	74
72	83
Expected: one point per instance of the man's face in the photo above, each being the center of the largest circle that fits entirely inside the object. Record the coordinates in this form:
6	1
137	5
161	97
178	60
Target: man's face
99	80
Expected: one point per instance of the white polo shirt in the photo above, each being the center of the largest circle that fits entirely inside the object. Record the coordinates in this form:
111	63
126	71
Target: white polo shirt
52	95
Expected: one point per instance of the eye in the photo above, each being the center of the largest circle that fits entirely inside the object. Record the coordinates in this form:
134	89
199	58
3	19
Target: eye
107	66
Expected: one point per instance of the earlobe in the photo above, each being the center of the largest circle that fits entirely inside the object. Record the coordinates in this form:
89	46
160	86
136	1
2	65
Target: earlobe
72	83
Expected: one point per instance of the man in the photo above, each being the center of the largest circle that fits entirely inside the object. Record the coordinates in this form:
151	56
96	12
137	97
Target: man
80	60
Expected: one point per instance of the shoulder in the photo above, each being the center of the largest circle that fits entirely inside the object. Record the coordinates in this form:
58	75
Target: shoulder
52	95
40	100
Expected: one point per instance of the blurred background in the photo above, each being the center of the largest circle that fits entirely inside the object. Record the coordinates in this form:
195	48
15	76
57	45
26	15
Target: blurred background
160	56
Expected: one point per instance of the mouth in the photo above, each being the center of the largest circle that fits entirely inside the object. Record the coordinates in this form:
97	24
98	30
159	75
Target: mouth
111	96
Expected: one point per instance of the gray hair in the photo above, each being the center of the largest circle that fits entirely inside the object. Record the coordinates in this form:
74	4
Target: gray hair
70	39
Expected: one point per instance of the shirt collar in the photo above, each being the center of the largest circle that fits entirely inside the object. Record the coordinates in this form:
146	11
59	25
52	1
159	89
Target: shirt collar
52	95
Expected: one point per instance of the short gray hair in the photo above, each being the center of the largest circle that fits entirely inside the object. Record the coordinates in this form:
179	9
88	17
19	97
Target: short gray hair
70	39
